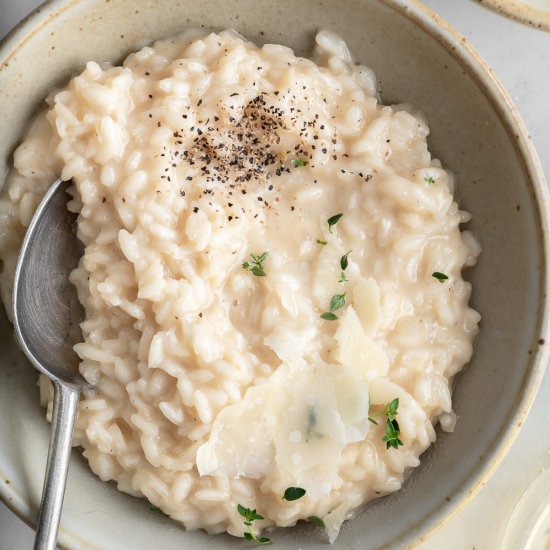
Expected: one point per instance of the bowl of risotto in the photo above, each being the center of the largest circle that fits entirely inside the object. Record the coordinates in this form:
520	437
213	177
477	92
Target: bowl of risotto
314	276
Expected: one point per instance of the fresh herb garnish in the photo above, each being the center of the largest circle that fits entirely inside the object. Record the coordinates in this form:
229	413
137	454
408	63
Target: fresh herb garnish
441	277
298	163
429	180
328	316
337	301
249	517
293	493
391	409
333	220
256	265
344	266
392	434
248	514
316	521
321	242
344	261
392	426
255	538
154	508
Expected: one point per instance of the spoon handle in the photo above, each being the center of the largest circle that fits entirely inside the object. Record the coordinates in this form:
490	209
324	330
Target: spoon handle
65	403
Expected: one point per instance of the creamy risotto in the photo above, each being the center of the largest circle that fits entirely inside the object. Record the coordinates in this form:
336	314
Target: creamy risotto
271	279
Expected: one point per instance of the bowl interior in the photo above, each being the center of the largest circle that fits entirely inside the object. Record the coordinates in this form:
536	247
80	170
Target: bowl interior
494	183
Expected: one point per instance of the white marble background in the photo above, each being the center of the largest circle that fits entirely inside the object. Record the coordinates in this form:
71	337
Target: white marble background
520	57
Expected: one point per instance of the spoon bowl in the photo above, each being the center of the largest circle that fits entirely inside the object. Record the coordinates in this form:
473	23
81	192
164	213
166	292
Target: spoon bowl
46	310
46	317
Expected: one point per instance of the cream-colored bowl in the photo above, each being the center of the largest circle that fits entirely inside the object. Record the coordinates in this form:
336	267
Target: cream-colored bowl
535	13
475	131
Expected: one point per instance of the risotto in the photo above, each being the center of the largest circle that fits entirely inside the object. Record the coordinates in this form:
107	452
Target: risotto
272	278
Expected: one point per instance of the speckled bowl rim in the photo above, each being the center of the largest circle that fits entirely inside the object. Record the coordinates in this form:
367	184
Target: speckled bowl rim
534	17
477	68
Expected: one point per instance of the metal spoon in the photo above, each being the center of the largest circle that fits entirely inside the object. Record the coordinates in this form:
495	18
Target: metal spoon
46	317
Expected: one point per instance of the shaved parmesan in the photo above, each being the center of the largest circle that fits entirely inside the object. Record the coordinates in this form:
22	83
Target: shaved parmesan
239	426
357	350
289	345
333	521
293	427
366	301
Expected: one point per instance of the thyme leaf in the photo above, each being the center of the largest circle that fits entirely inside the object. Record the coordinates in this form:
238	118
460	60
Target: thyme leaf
328	316
441	277
249	517
249	535
333	220
344	261
256	266
293	493
392	426
337	301
248	514
391	409
316	521
392	434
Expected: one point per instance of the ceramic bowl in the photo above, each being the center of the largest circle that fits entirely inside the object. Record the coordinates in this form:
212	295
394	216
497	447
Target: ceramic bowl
477	133
535	13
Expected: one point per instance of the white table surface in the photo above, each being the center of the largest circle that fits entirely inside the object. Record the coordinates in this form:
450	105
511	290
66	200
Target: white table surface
520	56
